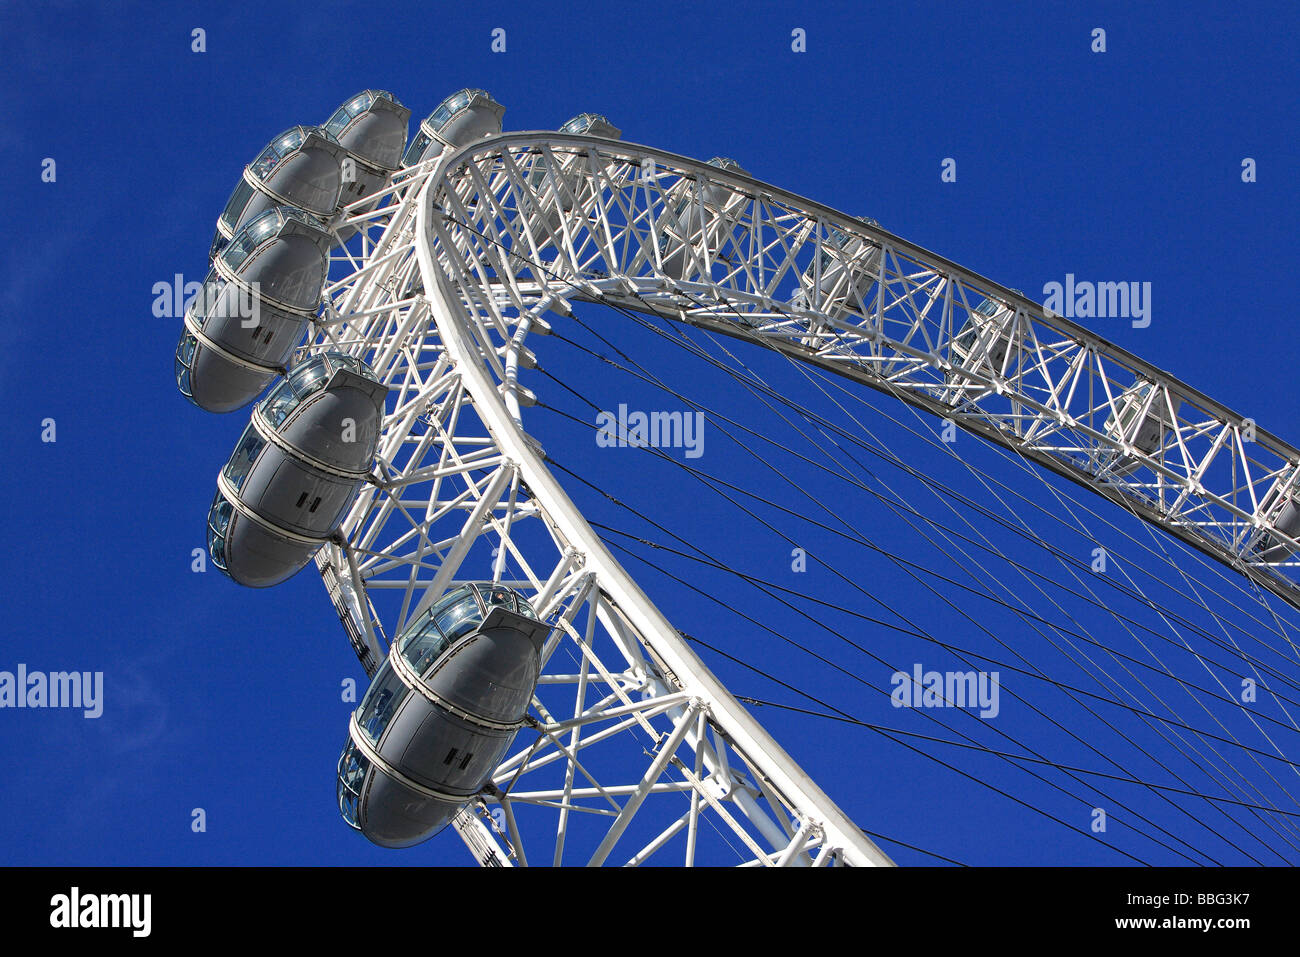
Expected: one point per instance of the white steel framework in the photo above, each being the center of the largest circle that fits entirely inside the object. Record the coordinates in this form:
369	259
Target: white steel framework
468	253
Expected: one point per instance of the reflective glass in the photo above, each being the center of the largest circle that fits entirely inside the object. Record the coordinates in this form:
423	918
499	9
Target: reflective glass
987	308
287	142
218	523
250	236
440	116
219	514
203	305
494	595
461	618
417	147
245	454
353	766
309	377
447	600
423	644
217	549
183	381
218	243
277	406
386	694
353	364
581	123
264	163
185	349
235	205
306	379
338	121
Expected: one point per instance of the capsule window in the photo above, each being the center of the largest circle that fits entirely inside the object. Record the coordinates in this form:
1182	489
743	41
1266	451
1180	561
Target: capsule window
279	404
422	645
217	549
235	205
264	163
451	756
218	522
246	452
440	117
353	766
315	504
301	498
306	379
338	122
464	762
495	595
250	237
461	618
418	146
346	113
381	702
183	380
201	307
186	351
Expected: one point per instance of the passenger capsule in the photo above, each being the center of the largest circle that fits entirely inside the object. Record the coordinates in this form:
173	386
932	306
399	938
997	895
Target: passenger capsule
309	446
301	167
592	124
461	118
833	287
371	127
984	340
1142	420
1271	548
568	187
682	219
257	298
440	714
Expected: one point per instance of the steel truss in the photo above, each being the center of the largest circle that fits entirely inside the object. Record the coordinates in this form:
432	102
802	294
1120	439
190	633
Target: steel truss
468	253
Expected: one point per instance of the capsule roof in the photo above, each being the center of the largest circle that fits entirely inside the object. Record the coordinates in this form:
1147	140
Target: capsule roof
729	164
284	146
458	101
313	186
593	124
379	141
450	124
305	379
266	225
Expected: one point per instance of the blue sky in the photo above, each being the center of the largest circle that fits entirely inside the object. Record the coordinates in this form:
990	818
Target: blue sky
1123	165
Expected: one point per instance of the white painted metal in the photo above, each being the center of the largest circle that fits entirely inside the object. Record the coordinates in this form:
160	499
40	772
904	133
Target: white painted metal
463	259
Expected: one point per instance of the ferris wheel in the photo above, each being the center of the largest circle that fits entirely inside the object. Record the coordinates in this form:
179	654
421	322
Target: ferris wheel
527	691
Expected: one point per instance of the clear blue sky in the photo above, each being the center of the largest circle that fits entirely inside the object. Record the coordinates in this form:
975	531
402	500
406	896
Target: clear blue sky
1117	166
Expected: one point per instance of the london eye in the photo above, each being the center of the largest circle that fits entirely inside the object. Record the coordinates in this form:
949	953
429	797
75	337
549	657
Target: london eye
398	316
